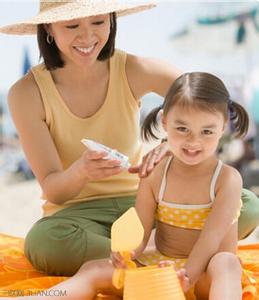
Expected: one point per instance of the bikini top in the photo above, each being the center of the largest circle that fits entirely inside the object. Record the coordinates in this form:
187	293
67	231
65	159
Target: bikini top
185	215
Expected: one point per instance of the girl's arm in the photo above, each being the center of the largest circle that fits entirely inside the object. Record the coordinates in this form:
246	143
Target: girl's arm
219	233
145	206
58	185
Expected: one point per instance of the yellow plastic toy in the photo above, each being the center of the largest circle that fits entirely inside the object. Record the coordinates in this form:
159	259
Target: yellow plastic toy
144	283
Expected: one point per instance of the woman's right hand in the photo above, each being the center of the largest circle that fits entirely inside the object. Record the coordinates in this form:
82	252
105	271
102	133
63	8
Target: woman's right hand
94	165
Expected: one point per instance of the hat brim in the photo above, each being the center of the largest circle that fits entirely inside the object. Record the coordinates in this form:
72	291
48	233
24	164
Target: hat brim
71	11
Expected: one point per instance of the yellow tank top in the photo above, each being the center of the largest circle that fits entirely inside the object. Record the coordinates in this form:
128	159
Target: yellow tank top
115	124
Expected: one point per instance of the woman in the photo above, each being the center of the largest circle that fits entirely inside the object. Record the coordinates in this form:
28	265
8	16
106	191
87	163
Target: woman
84	89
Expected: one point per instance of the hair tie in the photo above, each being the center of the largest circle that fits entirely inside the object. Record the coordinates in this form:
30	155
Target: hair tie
232	115
230	102
231	108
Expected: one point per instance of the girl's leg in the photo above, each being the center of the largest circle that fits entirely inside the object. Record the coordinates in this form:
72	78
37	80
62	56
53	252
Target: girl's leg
222	279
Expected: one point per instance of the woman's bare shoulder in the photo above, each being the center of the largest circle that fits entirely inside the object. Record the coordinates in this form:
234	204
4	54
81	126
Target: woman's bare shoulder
25	94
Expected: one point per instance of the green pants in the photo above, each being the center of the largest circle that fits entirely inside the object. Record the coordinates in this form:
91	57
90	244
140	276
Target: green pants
61	243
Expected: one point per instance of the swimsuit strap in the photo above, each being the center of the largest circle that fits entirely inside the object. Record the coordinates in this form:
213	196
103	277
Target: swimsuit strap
163	183
212	184
214	180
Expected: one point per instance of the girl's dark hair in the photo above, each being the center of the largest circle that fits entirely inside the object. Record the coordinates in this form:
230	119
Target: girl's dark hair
204	91
51	54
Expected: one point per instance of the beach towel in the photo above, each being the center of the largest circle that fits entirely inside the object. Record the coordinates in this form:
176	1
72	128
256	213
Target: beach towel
19	278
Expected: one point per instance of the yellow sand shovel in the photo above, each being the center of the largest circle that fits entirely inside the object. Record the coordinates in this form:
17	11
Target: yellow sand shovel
126	235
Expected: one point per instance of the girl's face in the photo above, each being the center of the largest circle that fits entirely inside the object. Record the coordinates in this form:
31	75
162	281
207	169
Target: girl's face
193	134
81	40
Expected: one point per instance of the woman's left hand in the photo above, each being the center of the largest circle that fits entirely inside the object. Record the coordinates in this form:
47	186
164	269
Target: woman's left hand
150	160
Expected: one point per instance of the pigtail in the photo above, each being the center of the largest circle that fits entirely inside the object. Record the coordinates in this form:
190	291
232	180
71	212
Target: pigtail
150	123
239	119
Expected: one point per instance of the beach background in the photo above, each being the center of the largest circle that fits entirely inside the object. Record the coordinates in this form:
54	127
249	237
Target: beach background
170	32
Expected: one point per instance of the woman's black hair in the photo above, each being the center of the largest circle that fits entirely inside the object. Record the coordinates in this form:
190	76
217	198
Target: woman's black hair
51	54
204	91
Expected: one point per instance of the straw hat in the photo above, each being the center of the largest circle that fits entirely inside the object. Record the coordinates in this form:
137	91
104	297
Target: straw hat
52	11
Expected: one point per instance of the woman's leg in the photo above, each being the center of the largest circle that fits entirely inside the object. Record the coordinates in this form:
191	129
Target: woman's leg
93	277
249	217
222	279
60	244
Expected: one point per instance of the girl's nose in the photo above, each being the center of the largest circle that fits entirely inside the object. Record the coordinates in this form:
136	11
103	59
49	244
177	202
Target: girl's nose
193	140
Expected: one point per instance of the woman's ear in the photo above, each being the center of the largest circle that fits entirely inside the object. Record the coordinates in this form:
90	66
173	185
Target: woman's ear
47	27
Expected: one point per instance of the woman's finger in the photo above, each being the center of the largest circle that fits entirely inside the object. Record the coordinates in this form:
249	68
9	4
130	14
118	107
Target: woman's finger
152	160
94	155
143	167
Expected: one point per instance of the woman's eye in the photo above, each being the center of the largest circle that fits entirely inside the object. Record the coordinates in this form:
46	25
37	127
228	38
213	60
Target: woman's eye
72	26
98	22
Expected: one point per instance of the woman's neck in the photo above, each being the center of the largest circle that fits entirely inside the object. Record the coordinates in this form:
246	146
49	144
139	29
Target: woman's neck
72	74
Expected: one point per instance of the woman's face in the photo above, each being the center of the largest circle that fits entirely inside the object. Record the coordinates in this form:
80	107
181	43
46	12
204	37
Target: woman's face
81	40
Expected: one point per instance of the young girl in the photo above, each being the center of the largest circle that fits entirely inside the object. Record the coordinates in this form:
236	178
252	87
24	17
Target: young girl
192	195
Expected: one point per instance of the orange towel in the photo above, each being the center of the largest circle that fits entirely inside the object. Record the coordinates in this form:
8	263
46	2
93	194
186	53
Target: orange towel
18	277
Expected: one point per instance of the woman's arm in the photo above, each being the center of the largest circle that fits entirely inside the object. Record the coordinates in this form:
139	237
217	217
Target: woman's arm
146	75
219	233
58	185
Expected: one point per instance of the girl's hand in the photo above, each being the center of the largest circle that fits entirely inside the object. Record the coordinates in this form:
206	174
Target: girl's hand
184	279
118	260
165	263
150	160
94	165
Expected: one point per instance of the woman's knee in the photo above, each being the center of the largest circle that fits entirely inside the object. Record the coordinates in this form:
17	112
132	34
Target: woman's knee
56	248
223	263
249	217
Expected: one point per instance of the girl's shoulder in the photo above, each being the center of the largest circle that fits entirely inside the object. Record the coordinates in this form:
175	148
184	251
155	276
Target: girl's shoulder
157	174
229	178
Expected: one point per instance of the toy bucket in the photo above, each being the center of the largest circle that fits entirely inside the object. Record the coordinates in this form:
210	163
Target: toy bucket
152	283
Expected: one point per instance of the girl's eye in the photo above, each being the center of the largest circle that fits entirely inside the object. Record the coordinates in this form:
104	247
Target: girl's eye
98	22
207	132
72	26
182	129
